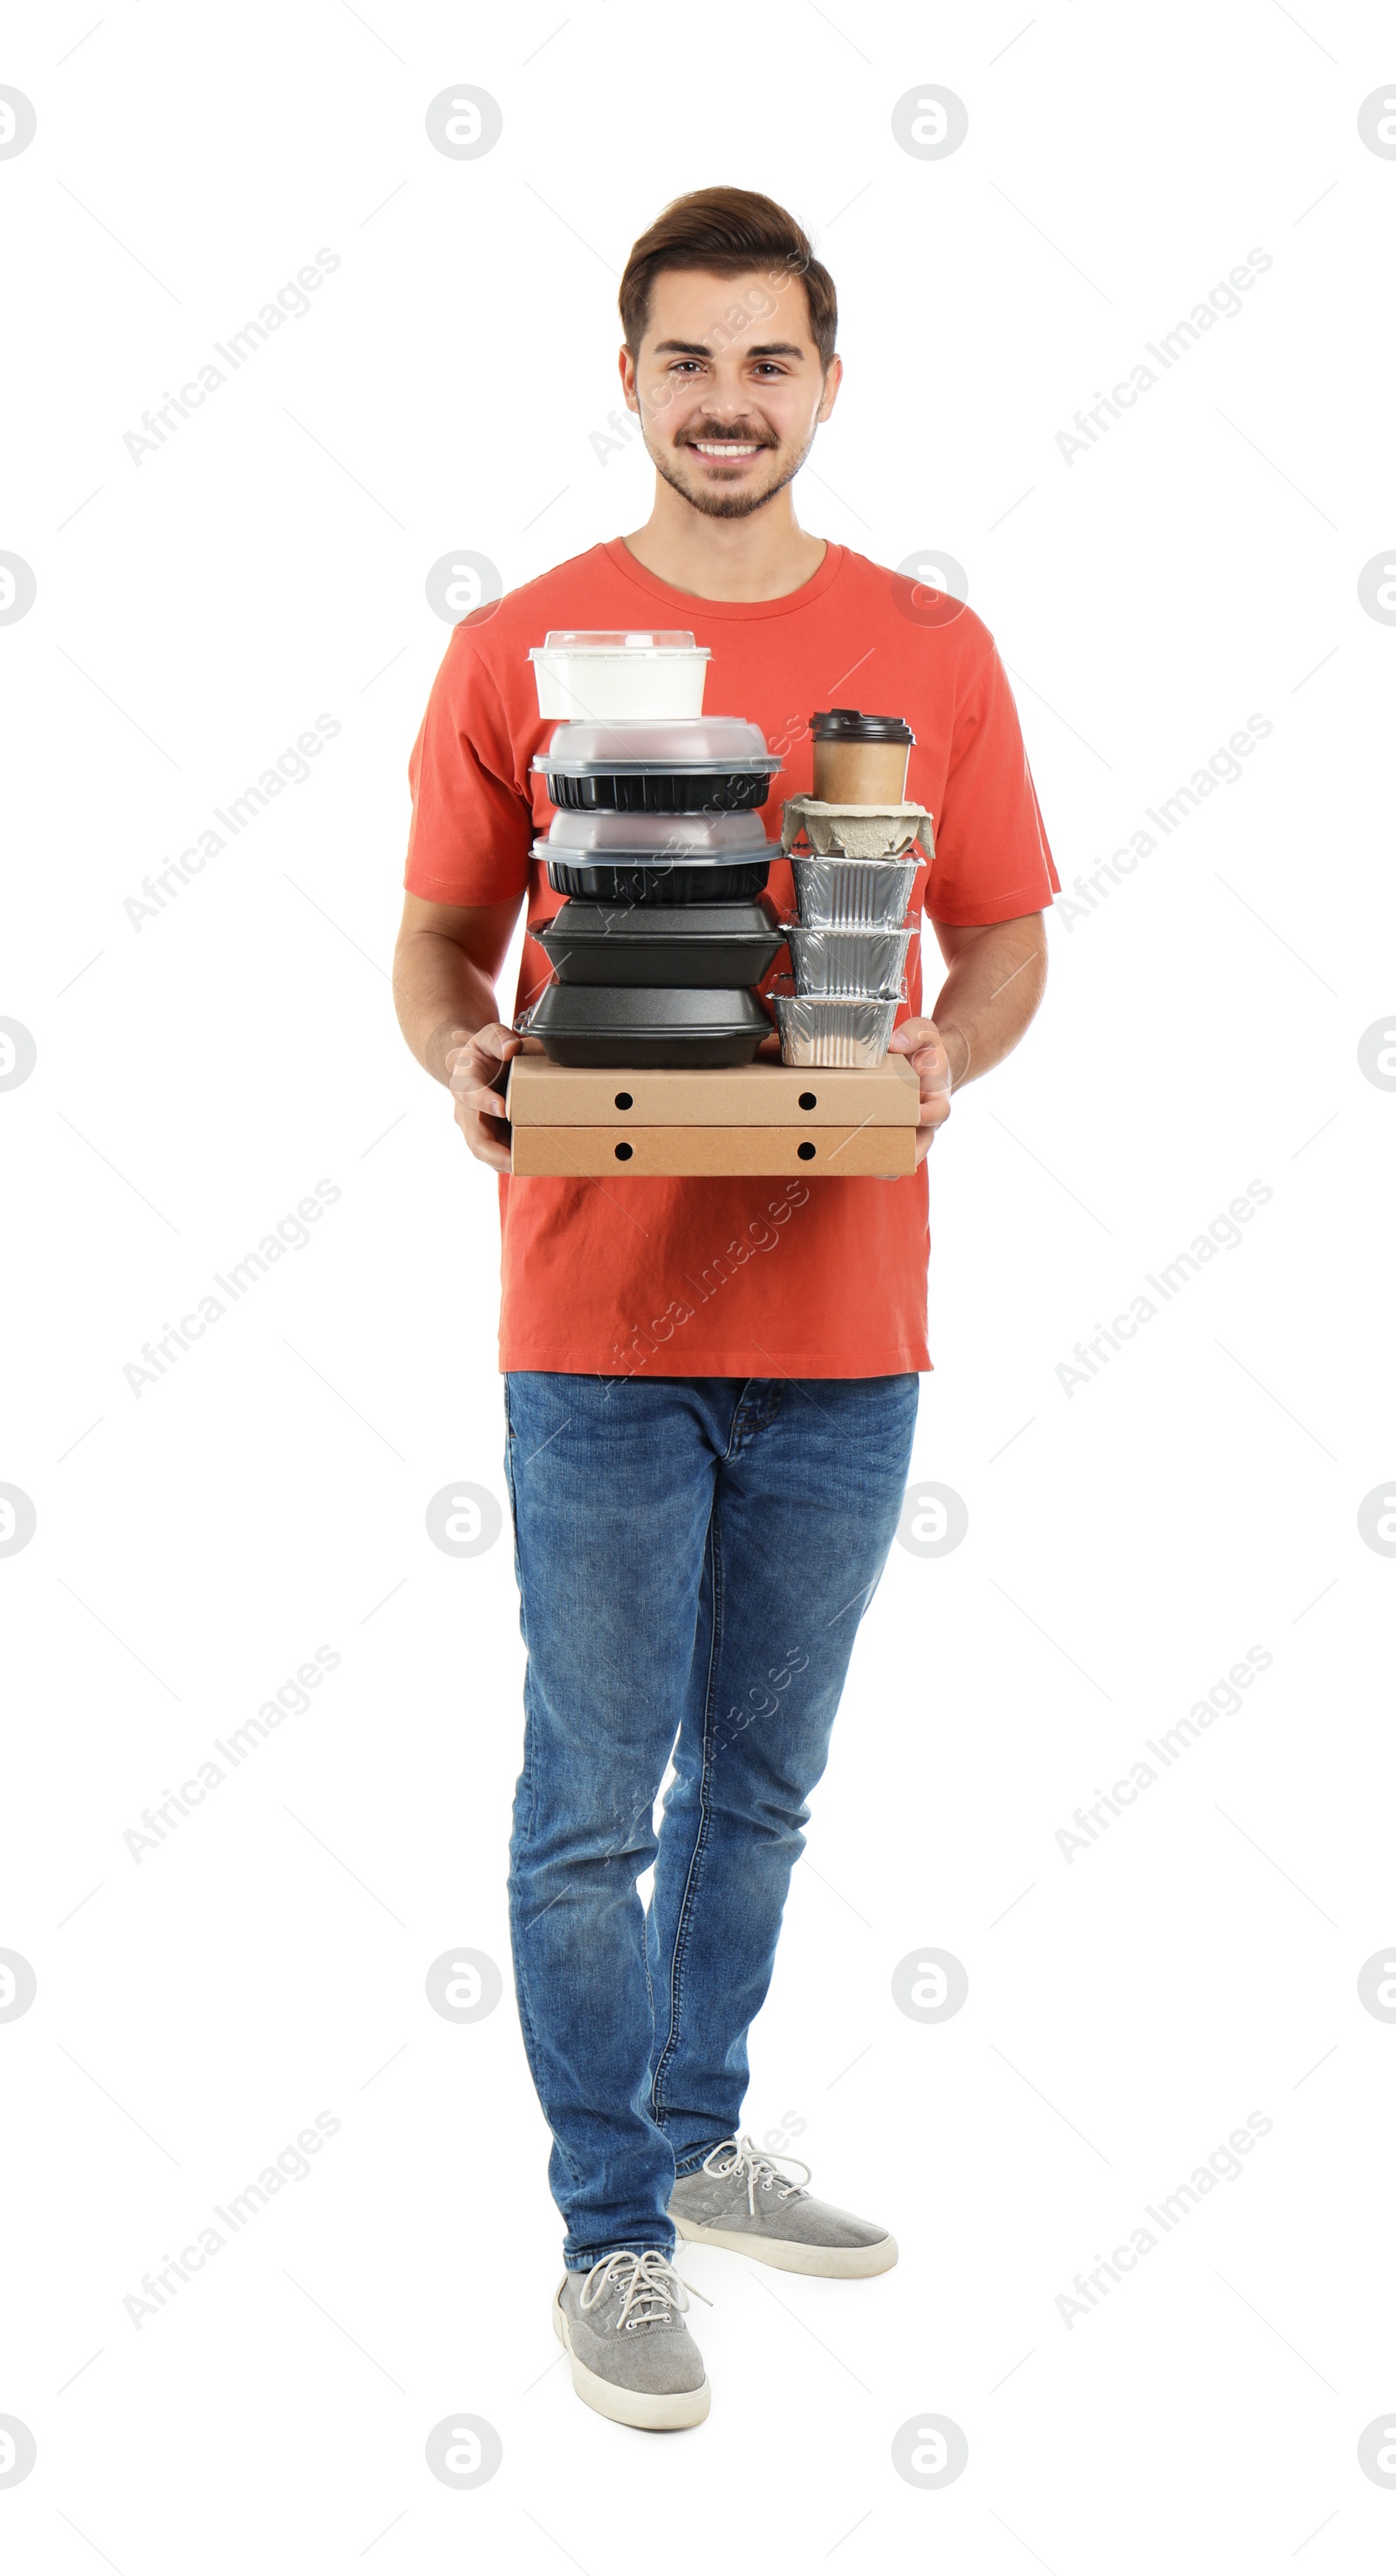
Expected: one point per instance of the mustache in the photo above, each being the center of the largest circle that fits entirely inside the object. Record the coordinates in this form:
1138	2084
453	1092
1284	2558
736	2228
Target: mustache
725	438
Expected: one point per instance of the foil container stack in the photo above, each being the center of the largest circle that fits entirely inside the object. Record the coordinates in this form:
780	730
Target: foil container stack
849	943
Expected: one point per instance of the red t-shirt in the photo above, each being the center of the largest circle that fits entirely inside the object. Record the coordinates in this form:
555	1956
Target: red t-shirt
741	1277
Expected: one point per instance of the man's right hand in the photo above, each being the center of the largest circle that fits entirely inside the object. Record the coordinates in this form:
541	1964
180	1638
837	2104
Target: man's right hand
475	1069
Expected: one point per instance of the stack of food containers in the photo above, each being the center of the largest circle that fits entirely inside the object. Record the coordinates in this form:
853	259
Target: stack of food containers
660	854
849	945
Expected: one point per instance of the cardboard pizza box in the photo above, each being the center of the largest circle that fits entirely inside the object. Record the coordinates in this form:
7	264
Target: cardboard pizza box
766	1095
818	1149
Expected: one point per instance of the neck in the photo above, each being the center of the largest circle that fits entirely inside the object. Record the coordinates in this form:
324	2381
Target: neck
763	557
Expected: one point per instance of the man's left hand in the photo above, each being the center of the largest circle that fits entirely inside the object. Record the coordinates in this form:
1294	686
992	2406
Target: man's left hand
922	1043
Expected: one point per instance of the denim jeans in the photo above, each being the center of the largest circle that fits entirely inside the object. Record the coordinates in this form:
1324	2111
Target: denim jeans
693	1558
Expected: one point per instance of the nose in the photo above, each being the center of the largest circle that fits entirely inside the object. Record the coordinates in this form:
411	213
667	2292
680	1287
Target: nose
731	423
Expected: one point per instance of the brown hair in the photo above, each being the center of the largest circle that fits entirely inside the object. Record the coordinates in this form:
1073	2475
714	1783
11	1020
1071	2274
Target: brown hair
728	231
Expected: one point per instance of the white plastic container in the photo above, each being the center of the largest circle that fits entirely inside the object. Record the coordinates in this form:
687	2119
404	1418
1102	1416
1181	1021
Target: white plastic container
601	672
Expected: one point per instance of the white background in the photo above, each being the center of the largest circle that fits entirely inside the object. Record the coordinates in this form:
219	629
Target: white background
1127	1542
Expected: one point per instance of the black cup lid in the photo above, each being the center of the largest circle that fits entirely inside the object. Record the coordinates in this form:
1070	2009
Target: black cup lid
849	724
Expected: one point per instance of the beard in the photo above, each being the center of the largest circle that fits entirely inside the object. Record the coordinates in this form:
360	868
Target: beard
710	499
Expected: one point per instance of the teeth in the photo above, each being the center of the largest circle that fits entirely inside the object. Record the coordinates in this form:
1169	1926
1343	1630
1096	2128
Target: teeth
724	447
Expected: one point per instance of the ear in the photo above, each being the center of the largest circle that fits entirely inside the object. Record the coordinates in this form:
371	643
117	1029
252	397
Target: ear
832	382
627	379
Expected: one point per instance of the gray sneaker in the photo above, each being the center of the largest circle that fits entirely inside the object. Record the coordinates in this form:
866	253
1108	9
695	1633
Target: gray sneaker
739	2198
632	2356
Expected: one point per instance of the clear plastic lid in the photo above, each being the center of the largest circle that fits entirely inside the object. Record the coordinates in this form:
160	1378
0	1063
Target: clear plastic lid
727	838
616	639
658	743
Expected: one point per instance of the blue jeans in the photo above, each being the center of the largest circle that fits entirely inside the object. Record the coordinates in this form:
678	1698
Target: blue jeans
693	1558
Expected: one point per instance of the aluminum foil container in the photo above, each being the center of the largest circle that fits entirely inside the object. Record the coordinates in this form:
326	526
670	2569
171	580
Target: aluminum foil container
823	1028
853	894
856	831
860	964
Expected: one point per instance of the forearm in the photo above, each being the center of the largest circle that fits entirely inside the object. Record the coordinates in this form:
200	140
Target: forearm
989	995
441	996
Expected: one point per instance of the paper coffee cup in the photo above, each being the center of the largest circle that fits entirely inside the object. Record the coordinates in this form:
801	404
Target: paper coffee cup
860	759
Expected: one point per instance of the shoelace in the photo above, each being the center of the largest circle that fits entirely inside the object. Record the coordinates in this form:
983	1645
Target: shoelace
652	2290
741	2159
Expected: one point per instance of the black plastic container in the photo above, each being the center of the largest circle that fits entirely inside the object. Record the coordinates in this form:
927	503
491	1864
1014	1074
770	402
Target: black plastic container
713	946
652	791
659	765
660	881
642	1026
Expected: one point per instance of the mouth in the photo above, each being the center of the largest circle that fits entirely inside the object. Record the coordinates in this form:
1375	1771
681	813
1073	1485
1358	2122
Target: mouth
725	451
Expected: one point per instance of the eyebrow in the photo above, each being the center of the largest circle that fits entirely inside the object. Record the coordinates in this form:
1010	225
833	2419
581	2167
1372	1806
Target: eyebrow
700	349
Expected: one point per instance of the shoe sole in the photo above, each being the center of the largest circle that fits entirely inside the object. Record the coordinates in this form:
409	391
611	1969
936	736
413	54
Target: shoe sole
647	2410
825	2262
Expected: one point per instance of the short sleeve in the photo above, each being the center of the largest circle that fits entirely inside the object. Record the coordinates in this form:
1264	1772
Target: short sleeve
992	862
472	819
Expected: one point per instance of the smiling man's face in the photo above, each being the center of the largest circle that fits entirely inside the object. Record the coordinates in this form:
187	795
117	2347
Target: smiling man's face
729	386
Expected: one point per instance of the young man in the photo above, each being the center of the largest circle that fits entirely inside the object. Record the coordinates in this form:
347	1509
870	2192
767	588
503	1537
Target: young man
710	1385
